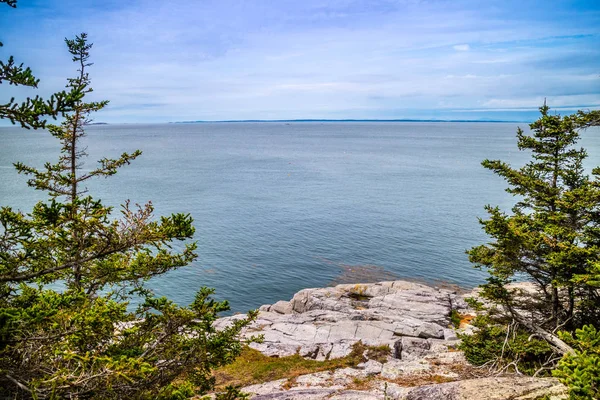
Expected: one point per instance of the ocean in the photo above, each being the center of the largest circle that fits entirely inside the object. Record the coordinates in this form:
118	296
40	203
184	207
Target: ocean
279	207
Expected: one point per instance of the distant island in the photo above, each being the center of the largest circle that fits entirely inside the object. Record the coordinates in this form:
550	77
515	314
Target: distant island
342	120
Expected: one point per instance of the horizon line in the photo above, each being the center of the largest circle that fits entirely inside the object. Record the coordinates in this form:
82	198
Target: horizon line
301	120
347	120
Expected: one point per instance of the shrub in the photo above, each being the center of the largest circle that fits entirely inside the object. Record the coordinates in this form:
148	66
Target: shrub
580	371
504	347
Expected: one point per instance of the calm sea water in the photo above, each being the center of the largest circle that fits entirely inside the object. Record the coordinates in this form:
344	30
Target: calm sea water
280	207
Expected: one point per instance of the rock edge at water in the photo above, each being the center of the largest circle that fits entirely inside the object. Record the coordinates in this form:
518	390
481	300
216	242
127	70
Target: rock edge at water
411	318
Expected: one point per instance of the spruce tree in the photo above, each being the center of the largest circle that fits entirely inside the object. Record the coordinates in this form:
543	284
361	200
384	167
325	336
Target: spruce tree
68	270
32	112
552	236
551	239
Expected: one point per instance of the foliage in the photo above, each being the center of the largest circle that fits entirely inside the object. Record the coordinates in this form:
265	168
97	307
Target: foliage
31	112
551	239
455	318
504	347
580	371
553	235
231	393
84	340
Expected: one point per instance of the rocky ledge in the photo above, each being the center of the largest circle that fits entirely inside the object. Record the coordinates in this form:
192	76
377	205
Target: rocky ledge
413	319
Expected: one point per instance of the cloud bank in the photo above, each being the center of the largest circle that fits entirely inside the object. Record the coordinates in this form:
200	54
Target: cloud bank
234	59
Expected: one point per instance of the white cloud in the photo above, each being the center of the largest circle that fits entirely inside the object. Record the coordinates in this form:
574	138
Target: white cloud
535	102
461	47
213	60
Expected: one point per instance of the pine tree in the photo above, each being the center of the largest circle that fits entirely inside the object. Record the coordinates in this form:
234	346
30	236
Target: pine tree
82	340
551	238
32	112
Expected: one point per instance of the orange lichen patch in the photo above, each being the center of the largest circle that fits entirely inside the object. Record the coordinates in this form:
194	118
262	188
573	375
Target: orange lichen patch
466	320
358	289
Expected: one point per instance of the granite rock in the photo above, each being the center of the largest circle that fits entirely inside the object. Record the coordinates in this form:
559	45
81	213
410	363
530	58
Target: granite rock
411	318
325	323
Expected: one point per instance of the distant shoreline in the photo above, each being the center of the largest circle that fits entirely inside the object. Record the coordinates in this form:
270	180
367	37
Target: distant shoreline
344	120
290	121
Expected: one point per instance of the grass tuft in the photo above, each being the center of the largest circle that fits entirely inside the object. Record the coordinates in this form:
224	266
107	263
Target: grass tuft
455	318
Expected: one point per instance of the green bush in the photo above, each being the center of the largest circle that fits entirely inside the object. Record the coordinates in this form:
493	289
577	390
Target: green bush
494	343
580	371
455	318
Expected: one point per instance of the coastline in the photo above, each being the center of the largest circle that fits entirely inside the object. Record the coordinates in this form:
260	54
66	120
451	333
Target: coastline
414	322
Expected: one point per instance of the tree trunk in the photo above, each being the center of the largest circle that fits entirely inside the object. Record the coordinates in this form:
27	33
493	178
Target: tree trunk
555	305
558	345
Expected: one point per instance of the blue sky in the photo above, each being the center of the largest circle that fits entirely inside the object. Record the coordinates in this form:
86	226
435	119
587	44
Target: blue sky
159	61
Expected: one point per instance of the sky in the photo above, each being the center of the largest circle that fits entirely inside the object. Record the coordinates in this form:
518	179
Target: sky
180	60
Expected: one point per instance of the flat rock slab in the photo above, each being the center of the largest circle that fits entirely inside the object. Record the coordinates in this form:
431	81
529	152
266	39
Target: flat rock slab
318	394
308	394
324	323
413	319
494	388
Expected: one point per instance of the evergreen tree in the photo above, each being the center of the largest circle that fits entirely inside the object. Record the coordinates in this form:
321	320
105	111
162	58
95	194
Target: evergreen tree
32	112
552	239
83	341
552	236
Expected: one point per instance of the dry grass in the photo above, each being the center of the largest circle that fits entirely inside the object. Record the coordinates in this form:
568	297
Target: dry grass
253	367
378	353
420	379
458	372
361	383
411	380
